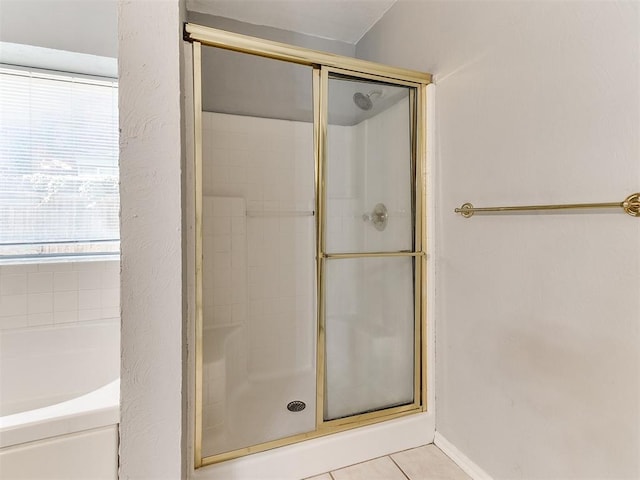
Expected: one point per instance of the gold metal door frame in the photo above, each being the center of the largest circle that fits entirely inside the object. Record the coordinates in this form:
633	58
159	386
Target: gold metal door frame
419	403
323	65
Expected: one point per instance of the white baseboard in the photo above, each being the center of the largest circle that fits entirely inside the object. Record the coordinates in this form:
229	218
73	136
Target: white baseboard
469	467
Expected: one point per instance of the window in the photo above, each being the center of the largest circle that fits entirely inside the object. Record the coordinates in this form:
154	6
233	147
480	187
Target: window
58	164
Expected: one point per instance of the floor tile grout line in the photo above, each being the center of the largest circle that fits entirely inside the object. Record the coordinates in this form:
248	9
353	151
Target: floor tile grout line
399	467
359	463
382	456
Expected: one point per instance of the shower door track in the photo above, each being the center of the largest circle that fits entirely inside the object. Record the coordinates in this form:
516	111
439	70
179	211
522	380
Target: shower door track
324	64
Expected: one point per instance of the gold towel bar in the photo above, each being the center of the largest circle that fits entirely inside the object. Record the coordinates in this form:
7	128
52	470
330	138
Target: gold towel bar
630	205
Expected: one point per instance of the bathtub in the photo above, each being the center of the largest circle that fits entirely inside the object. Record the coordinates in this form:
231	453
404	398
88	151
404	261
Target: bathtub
59	395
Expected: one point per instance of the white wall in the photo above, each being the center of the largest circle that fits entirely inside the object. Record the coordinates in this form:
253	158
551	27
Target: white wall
152	437
32	294
282	90
537	316
81	26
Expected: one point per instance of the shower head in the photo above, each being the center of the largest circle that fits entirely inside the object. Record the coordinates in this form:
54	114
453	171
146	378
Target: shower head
365	102
362	101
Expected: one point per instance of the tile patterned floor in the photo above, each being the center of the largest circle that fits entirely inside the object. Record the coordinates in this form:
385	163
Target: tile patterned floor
422	463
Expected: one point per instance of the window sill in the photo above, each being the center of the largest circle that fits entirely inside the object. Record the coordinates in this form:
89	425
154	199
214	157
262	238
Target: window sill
111	257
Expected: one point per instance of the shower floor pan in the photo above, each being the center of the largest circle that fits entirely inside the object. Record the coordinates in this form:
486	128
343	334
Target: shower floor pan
256	412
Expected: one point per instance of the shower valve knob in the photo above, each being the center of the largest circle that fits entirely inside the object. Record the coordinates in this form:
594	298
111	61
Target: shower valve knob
379	217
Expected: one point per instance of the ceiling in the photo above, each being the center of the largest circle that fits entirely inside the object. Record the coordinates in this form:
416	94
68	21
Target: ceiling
343	20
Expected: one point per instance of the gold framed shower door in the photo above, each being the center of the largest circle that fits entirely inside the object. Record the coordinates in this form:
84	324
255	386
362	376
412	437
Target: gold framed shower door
324	65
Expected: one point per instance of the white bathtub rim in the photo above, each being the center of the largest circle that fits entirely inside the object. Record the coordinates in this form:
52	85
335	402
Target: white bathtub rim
95	409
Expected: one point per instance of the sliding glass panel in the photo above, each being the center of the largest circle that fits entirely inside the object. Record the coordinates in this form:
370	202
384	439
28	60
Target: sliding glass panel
369	167
369	335
259	310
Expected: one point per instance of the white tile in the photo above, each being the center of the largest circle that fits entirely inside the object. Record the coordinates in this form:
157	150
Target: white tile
222	260
324	476
255	206
428	462
219	226
11	305
379	469
65	301
89	279
238	244
89	314
38	319
271	206
20	268
14	321
65	281
110	312
237	174
65	317
110	279
13	284
240	158
239	294
219	276
221	243
271	192
238	226
254	194
40	282
215	414
89	299
221	207
88	266
110	275
40	303
55	267
222	315
222	296
238	209
239	313
110	297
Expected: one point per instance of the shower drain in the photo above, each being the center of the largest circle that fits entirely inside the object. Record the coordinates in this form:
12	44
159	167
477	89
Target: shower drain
296	406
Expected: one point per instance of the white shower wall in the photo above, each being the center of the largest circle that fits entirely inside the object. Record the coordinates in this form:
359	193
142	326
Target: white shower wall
369	307
264	332
258	283
269	164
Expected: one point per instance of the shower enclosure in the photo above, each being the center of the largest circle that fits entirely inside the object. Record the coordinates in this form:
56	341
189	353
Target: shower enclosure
309	243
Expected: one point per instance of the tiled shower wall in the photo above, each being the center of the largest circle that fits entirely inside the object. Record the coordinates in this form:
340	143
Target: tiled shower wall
33	295
370	302
269	164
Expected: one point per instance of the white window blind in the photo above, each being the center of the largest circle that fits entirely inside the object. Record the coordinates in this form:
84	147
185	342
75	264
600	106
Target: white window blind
58	164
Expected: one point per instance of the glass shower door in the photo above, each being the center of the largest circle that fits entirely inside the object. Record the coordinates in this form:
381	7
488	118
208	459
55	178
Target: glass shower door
308	265
371	248
258	244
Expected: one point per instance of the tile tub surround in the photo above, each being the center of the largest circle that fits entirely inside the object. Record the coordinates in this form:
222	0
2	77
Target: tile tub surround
423	463
39	294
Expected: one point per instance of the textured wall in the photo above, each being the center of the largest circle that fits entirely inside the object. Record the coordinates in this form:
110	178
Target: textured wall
538	316
151	432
